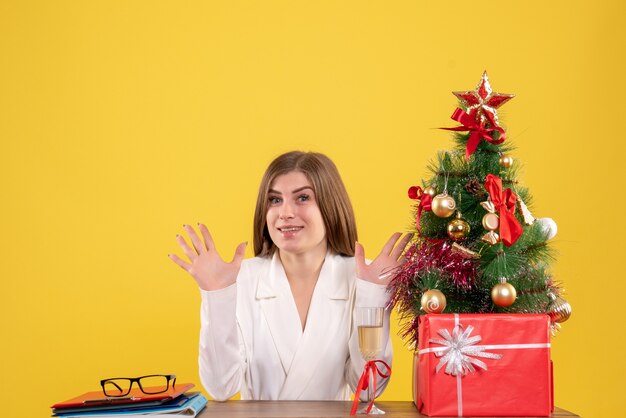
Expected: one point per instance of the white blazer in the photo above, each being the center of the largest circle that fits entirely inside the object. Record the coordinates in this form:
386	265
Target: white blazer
251	338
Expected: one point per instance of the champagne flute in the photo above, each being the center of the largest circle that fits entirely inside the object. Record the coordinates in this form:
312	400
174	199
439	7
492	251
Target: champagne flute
370	326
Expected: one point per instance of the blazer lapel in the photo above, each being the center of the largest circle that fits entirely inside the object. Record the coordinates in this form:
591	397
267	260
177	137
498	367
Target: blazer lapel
323	319
281	314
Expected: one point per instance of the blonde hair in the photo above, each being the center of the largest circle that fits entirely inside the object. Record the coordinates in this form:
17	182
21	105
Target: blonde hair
331	195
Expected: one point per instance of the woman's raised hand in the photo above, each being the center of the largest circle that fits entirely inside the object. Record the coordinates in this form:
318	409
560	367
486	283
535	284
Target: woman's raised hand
207	267
380	271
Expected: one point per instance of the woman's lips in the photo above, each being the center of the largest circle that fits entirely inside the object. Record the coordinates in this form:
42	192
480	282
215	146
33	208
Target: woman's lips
289	230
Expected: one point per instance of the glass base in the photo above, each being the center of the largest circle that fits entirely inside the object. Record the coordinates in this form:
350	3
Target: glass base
375	410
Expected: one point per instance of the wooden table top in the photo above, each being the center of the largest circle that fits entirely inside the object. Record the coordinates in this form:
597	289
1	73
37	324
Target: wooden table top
313	409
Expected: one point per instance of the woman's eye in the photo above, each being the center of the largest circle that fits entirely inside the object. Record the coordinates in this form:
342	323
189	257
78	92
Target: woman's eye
274	200
303	198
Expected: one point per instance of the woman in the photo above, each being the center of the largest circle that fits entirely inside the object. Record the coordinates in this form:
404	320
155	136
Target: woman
280	326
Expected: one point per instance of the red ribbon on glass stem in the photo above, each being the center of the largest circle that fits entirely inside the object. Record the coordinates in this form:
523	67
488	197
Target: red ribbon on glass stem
371	369
478	130
510	228
416	193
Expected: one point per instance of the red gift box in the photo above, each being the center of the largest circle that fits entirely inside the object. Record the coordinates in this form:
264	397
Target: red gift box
483	365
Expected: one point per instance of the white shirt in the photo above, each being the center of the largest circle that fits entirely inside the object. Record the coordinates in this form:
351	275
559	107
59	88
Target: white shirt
251	337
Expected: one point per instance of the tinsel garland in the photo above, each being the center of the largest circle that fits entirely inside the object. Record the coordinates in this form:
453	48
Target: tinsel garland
426	258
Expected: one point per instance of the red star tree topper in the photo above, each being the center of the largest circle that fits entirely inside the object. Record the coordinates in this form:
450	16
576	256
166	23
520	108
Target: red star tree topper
483	102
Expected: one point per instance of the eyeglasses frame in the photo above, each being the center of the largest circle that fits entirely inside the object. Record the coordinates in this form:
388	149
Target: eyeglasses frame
169	377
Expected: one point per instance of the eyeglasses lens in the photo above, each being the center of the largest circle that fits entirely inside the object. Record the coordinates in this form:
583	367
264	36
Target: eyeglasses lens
117	387
154	384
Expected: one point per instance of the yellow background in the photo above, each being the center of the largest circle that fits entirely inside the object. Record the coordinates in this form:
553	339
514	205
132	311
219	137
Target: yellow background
122	120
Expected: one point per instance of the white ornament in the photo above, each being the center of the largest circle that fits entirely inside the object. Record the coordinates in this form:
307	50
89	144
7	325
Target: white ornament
548	226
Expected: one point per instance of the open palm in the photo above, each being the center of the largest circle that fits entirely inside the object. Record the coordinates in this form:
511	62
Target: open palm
381	269
205	265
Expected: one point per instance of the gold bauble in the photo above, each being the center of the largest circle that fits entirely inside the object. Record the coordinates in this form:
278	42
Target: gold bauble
503	294
433	301
443	205
559	309
458	229
430	190
505	161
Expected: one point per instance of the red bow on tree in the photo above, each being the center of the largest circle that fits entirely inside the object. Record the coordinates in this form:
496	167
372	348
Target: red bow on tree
478	129
416	193
510	228
370	369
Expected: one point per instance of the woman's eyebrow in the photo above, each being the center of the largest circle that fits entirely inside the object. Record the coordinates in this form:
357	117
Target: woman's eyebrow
299	189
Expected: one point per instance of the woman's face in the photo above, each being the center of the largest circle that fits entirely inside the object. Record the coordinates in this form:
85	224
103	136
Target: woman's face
294	219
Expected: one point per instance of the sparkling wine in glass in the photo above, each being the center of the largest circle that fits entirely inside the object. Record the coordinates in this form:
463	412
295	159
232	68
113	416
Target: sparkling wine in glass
370	341
370	327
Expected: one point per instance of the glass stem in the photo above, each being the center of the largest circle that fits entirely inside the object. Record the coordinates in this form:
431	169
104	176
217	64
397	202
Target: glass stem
370	387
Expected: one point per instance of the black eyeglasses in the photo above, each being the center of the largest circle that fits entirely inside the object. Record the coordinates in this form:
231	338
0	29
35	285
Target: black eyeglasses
149	384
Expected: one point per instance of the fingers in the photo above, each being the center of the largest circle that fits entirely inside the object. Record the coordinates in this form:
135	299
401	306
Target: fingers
390	244
396	254
195	239
208	239
191	254
240	253
182	263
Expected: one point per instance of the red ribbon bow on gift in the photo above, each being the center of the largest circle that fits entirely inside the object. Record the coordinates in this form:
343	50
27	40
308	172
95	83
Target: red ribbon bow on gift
416	193
510	228
477	128
370	369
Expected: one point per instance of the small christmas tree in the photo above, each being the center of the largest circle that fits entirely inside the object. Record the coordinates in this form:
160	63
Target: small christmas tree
478	247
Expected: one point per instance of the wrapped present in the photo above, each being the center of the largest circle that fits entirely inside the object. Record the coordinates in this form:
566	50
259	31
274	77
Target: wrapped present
483	365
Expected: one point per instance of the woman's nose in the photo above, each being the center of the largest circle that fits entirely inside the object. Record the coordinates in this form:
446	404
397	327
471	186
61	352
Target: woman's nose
286	211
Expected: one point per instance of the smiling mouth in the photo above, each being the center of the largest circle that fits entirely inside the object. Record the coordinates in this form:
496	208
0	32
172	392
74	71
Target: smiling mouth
290	228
